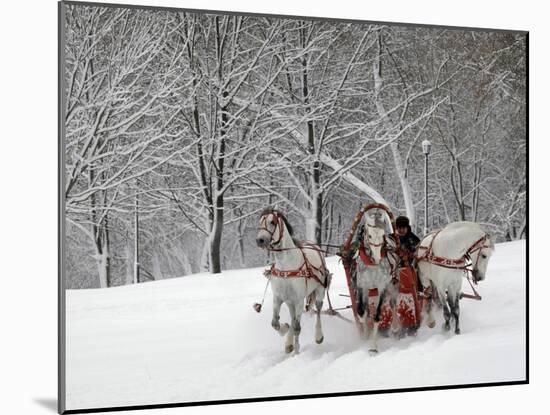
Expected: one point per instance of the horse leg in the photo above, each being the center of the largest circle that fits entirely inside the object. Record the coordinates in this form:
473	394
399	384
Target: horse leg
289	343
446	314
395	323
367	316
296	326
362	312
429	311
361	308
277	302
428	294
429	290
309	302
376	322
319	295
455	310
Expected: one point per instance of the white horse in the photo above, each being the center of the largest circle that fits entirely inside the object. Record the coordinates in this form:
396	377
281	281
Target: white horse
445	256
375	271
299	271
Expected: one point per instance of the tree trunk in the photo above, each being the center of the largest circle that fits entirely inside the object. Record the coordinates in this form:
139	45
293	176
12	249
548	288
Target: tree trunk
314	222
103	269
319	218
329	224
241	236
216	238
101	238
103	259
156	264
397	160
205	256
183	259
405	187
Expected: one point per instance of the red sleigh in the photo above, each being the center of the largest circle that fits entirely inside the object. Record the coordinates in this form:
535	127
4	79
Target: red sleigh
408	304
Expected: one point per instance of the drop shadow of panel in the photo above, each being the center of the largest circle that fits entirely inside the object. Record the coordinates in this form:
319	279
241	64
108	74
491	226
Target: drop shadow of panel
48	403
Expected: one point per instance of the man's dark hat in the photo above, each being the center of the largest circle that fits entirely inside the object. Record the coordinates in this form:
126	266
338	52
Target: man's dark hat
402	222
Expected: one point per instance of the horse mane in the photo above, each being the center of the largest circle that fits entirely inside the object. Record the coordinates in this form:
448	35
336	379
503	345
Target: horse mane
456	238
269	210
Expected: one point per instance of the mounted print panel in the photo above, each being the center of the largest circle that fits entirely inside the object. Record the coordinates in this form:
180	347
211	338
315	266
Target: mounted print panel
265	207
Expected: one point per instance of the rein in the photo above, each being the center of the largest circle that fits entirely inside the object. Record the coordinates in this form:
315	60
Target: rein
476	295
311	247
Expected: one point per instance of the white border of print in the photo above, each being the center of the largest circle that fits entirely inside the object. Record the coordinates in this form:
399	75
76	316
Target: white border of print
29	202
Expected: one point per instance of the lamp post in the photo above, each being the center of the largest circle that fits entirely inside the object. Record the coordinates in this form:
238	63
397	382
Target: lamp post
426	147
136	240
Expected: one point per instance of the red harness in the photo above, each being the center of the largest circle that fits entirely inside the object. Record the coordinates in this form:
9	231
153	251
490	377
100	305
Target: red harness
368	260
460	263
307	270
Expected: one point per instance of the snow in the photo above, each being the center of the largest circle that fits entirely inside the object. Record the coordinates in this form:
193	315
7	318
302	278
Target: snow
197	338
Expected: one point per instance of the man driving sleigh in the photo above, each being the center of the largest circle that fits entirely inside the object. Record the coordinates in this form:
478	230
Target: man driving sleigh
408	241
409	283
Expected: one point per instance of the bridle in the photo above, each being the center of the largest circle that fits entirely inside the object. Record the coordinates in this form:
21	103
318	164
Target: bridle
368	258
372	244
478	246
279	224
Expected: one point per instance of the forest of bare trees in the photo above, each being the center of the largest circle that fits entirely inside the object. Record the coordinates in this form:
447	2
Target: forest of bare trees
181	127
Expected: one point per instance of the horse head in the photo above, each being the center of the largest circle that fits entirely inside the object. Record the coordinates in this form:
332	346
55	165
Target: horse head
374	238
272	229
480	256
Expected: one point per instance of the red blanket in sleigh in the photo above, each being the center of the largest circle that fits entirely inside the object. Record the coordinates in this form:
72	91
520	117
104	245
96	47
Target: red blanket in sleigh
408	304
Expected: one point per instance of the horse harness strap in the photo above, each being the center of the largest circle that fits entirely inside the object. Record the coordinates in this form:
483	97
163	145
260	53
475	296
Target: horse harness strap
303	272
367	260
476	295
307	270
460	263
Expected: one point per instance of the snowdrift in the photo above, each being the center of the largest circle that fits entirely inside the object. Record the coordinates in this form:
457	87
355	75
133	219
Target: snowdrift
196	338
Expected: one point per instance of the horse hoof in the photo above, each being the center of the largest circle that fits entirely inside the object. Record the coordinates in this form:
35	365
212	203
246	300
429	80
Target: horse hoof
457	331
320	340
289	348
431	324
446	326
373	352
395	327
284	329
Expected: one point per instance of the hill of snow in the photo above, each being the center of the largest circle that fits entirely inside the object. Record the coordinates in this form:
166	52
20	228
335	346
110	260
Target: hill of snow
197	338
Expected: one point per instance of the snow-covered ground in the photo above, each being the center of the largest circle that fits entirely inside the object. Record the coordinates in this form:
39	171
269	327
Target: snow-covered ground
197	338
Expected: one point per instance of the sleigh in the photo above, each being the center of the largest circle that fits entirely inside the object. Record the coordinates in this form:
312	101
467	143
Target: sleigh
408	307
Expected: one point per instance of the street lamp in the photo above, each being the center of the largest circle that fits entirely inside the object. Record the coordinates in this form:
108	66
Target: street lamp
426	147
136	240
